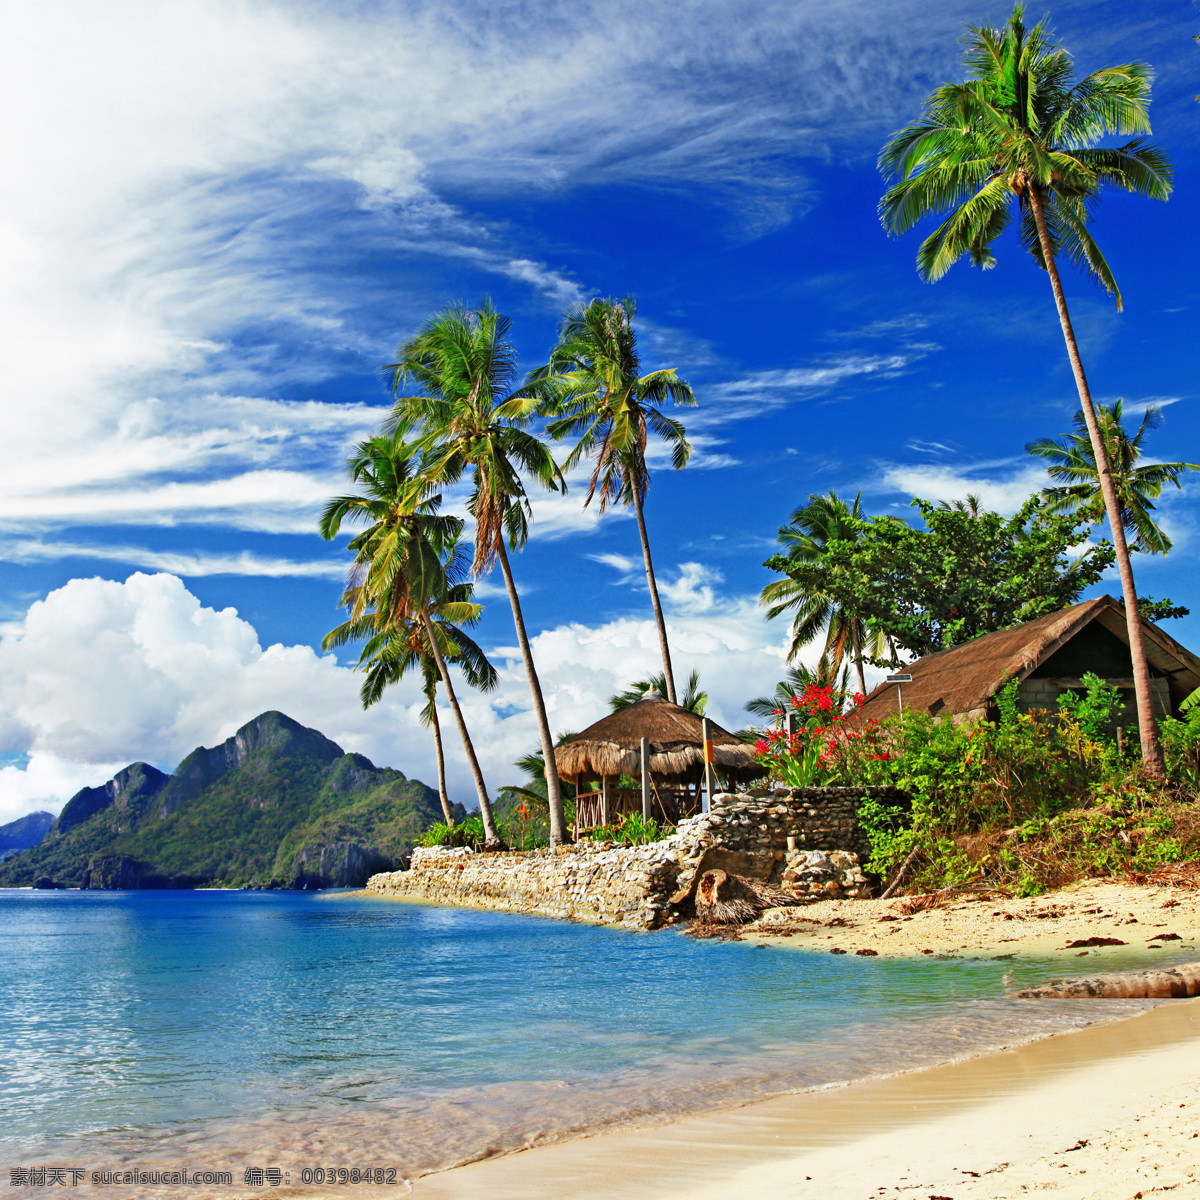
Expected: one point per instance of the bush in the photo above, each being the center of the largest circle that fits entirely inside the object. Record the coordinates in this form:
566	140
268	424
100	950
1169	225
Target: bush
469	833
631	829
1181	746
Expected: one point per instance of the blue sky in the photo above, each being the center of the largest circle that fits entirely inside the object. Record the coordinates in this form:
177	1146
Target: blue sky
221	218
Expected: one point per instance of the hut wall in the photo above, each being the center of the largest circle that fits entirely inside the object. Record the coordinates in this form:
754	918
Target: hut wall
806	840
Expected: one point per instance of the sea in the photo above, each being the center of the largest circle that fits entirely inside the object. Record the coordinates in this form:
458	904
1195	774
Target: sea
294	1032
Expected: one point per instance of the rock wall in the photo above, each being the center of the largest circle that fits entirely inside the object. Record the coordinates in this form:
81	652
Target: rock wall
805	840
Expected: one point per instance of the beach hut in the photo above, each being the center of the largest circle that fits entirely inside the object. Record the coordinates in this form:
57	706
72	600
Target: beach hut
659	744
1047	657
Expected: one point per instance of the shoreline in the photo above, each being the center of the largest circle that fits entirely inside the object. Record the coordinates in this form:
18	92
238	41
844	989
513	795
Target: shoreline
1100	1112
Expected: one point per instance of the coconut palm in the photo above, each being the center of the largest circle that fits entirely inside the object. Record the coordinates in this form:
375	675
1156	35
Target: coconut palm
798	679
462	366
399	574
389	654
594	389
1073	463
1020	133
694	700
812	527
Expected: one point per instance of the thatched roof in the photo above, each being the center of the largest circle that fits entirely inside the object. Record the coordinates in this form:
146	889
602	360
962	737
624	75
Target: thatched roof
612	746
962	680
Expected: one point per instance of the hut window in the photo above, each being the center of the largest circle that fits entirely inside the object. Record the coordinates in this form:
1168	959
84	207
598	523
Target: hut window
936	707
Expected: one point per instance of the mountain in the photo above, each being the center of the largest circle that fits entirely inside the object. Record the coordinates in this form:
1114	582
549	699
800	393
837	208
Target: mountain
24	832
275	805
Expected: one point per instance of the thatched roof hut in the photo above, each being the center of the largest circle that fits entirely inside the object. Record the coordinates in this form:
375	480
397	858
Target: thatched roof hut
612	746
1046	656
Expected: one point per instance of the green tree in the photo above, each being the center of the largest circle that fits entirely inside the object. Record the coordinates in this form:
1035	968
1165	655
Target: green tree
398	577
387	655
594	389
1020	131
463	365
1073	463
694	700
964	573
809	531
797	680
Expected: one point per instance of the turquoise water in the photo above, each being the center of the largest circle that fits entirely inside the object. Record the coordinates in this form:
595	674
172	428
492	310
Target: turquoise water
219	1024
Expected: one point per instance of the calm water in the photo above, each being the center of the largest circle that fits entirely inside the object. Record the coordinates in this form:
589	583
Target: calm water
231	1026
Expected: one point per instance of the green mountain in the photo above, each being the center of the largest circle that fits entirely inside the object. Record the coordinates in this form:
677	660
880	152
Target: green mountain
24	832
275	805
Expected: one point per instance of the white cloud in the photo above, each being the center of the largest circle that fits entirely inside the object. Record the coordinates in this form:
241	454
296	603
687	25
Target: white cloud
188	564
179	174
621	563
99	674
1004	491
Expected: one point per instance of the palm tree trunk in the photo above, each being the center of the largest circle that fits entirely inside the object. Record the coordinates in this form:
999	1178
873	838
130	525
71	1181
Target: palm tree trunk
443	795
856	640
1152	754
490	837
558	822
658	612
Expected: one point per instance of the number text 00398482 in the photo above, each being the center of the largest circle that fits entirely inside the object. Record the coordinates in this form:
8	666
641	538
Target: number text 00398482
382	1175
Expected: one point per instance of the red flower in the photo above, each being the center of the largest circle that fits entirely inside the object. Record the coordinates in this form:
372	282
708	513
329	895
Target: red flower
760	747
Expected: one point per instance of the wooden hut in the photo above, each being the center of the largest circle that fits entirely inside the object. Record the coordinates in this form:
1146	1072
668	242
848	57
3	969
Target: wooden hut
672	774
1047	657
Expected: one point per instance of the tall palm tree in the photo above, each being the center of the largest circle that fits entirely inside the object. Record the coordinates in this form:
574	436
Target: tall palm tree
399	572
1073	463
797	680
694	700
594	388
812	527
1021	132
463	365
388	654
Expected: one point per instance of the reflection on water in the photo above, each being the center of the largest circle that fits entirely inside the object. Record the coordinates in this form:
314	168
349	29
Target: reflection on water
225	1029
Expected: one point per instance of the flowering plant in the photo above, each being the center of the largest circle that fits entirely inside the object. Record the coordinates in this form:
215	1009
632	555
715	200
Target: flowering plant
816	754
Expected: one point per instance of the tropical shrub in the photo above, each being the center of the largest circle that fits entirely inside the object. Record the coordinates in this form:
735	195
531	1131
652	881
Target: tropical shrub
825	747
630	829
468	833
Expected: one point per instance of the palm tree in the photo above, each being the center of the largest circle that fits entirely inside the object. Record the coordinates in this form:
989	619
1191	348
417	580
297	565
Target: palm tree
389	654
1073	463
798	679
1022	132
594	388
463	366
399	574
812	527
694	700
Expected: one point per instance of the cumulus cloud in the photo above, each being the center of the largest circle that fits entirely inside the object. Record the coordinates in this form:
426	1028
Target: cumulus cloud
101	673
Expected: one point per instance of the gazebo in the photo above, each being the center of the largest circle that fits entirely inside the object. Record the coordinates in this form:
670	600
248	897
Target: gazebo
665	746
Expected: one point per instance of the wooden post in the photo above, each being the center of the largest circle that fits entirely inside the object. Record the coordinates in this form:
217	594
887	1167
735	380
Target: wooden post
710	773
605	808
646	809
793	724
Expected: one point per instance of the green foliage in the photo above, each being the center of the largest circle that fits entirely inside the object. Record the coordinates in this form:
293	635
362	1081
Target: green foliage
631	829
468	832
1181	744
964	573
1030	801
693	699
1161	610
1072	461
1096	710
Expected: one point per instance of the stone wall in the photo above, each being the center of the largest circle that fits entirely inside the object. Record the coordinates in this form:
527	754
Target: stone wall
805	840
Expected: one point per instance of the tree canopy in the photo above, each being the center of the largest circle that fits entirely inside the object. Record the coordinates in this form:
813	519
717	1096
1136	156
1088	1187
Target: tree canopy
965	572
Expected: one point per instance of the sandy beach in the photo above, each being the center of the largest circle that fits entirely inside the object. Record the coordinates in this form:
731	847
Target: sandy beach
1128	917
1111	1113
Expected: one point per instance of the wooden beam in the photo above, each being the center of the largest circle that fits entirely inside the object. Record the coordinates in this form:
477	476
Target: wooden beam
647	811
710	773
605	806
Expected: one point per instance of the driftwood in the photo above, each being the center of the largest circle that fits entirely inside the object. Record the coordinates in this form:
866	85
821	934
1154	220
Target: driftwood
726	899
1173	983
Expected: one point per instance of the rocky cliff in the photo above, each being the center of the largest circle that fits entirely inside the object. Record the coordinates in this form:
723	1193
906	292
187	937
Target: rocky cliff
276	805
